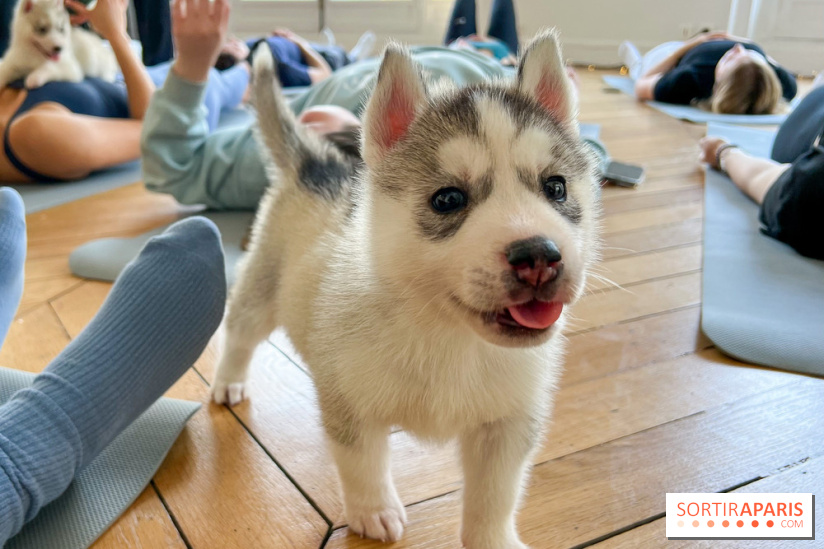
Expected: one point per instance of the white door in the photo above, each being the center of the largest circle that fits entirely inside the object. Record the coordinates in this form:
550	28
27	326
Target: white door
791	31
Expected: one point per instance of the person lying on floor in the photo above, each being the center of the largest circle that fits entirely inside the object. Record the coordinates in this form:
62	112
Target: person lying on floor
225	170
65	130
299	62
131	352
501	39
722	73
789	186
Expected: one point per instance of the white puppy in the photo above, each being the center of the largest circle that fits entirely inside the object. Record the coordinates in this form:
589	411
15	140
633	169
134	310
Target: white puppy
428	289
45	47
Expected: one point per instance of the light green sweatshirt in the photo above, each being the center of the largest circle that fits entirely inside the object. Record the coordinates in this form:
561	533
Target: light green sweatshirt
224	170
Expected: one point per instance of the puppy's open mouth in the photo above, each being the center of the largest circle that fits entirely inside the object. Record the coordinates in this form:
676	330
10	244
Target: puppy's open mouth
52	56
533	315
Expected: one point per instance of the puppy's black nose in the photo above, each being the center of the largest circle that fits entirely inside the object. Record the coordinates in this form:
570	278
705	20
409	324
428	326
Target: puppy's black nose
535	260
57	49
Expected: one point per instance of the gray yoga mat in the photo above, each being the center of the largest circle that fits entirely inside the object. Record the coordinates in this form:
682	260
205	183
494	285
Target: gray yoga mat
762	302
694	114
106	488
41	196
103	259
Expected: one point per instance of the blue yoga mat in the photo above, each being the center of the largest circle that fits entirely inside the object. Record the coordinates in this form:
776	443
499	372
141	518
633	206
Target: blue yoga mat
110	483
694	114
41	196
762	302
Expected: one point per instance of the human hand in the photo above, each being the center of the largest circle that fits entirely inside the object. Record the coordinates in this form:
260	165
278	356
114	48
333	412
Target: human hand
107	18
236	48
709	37
709	150
199	29
289	35
284	33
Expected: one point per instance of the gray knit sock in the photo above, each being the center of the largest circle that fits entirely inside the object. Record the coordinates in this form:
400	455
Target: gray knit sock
155	323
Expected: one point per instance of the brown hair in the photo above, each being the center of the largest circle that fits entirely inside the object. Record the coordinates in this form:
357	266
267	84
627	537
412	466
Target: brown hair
751	88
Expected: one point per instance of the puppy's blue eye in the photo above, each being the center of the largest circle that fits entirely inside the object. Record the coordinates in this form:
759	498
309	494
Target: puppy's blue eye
448	200
555	188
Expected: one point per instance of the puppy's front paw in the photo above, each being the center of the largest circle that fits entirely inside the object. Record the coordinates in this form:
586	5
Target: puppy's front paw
34	80
229	393
385	524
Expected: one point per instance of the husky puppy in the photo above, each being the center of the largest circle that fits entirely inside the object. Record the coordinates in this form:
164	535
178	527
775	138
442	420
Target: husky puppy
426	290
45	47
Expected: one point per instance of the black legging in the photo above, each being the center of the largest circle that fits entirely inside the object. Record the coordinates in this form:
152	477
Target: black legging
502	23
6	14
154	25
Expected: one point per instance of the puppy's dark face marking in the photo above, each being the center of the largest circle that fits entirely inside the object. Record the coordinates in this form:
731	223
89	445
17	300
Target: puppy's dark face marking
458	142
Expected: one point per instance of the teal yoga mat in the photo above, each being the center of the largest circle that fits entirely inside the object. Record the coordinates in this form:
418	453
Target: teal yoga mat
762	301
106	488
694	114
41	196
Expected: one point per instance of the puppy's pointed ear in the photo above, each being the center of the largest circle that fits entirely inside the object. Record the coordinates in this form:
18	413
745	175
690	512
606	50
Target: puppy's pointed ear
399	94
543	76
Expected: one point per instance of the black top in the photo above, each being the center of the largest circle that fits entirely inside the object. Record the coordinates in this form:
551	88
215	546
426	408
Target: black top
791	211
694	75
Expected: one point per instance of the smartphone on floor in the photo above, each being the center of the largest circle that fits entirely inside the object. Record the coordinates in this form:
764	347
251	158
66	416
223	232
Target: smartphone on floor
624	175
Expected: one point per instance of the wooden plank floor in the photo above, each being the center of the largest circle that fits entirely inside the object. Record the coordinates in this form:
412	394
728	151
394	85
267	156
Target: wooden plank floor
647	404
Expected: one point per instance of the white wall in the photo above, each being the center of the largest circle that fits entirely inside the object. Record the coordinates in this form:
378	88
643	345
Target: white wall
591	30
792	31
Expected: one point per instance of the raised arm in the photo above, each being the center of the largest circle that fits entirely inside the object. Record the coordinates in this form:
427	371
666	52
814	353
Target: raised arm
222	170
109	19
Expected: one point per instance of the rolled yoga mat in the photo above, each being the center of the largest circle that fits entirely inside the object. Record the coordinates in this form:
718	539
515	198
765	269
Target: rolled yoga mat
109	484
694	114
105	258
762	302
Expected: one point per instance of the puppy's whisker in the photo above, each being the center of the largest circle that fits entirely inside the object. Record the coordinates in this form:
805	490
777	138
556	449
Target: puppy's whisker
605	280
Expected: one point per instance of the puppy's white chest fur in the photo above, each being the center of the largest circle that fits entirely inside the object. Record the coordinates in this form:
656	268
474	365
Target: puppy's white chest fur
432	379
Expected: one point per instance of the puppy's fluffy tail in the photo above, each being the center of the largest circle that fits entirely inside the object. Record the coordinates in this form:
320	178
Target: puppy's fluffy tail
287	143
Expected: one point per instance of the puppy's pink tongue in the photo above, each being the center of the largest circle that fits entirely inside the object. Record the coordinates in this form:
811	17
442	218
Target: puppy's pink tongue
537	315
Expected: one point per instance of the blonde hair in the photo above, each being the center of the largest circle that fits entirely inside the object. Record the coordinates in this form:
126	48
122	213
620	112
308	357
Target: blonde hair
751	88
